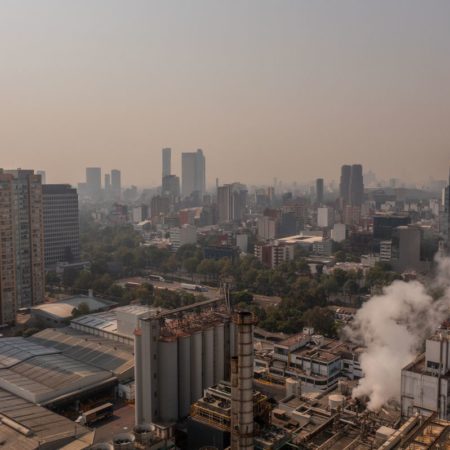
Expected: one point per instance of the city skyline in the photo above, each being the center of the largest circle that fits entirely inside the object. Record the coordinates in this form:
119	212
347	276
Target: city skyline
294	85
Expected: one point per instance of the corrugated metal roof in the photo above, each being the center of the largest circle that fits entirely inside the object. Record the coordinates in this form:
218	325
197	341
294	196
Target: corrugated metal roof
105	354
46	425
16	349
42	375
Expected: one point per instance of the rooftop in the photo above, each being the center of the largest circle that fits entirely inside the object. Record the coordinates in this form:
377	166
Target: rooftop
63	309
40	374
102	353
45	426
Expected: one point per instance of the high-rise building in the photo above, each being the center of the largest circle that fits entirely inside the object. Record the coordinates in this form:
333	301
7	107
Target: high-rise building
356	188
43	176
166	157
22	243
231	202
344	185
319	191
107	183
93	182
116	184
171	185
61	224
193	173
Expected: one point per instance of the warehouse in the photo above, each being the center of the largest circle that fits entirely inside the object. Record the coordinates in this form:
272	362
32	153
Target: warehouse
26	426
114	357
57	366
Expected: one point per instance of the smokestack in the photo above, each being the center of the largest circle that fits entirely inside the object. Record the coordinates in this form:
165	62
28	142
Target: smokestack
242	384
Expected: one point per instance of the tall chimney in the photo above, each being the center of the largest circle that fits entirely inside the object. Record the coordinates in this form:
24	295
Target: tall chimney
242	384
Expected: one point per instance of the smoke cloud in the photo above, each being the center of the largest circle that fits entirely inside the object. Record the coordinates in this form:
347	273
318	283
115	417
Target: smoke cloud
392	328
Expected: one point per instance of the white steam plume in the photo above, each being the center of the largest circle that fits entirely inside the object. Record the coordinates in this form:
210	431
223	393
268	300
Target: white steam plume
392	328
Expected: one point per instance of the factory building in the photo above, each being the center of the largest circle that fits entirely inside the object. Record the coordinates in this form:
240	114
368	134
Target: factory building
425	386
178	354
59	366
25	426
317	362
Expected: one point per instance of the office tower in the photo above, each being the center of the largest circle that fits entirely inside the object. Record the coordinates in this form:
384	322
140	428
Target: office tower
43	176
171	185
325	217
193	173
319	191
116	184
344	186
356	187
61	224
107	183
159	205
231	202
22	245
93	182
166	157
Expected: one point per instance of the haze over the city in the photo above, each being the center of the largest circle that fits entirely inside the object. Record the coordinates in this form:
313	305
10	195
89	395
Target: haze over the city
288	89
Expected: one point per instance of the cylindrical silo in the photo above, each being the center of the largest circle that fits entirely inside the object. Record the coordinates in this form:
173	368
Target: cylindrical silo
219	353
168	380
184	375
208	357
101	446
124	441
196	366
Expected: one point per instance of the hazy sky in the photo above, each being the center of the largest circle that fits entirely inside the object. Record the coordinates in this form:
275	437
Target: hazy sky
266	88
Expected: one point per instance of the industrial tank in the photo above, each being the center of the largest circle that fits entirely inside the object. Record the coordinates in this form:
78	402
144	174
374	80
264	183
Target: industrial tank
336	401
168	380
123	441
101	446
219	353
184	375
143	434
208	357
196	366
292	387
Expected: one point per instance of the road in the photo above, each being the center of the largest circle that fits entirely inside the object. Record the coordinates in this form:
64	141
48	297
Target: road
122	421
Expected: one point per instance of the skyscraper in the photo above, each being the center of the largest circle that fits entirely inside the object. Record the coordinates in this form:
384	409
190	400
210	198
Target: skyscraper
166	161
356	188
171	185
344	186
61	224
116	184
107	184
22	244
231	202
93	182
43	176
319	191
193	173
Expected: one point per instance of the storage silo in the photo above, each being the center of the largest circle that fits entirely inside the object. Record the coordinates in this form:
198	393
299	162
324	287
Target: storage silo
219	352
196	366
184	375
168	380
208	357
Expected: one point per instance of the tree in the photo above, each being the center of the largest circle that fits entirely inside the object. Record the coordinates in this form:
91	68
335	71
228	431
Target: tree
322	320
81	310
